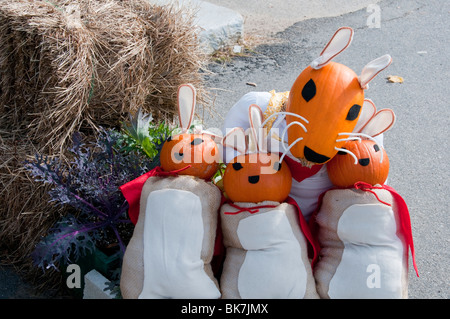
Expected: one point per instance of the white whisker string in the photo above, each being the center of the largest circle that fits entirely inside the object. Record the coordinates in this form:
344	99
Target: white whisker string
284	115
289	148
286	128
348	152
366	136
278	121
348	139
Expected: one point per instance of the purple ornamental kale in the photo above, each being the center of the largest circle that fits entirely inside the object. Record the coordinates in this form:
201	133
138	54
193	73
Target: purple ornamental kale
89	183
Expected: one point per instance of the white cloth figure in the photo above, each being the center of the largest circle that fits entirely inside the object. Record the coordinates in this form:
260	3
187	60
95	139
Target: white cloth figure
306	192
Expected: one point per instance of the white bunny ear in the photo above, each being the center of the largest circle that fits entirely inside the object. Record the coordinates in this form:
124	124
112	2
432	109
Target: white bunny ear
235	139
381	122
256	137
372	69
338	43
367	112
186	105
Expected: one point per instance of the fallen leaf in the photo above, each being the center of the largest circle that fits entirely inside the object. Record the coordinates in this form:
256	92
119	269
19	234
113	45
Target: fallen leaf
251	84
395	79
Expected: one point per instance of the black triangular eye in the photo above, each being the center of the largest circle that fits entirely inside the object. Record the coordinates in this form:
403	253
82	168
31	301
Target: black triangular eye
197	141
364	161
376	147
237	166
353	112
309	90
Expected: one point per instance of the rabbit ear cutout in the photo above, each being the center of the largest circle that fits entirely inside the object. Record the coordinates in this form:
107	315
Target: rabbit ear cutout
338	43
381	122
367	112
186	105
236	139
256	137
372	69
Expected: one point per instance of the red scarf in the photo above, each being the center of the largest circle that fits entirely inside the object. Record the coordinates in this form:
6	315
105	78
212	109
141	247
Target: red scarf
300	172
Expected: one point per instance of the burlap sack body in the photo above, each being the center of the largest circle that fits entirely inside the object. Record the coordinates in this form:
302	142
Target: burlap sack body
363	253
172	245
266	253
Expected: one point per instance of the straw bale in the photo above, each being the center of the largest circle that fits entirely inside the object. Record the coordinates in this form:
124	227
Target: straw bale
76	65
25	214
69	66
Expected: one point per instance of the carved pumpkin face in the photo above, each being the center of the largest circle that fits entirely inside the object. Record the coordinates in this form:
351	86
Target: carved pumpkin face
330	99
198	150
257	177
372	164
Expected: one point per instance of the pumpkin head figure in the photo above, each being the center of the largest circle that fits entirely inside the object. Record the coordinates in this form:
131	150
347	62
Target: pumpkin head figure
190	154
326	100
254	176
362	159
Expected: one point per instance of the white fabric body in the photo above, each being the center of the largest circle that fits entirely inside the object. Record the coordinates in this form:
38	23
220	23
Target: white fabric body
173	234
371	264
272	267
306	192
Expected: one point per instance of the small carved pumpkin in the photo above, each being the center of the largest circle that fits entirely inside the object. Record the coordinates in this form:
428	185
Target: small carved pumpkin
325	102
372	165
199	151
254	176
257	177
362	159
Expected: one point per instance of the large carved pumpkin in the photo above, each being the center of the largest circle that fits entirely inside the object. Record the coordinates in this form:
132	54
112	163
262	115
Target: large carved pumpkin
199	151
331	100
325	101
371	164
257	177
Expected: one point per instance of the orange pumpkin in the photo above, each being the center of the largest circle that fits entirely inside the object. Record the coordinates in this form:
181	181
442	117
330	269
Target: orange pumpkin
198	150
330	99
371	164
257	177
325	101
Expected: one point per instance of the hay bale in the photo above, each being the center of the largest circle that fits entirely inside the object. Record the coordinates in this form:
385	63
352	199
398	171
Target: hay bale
25	214
69	66
76	65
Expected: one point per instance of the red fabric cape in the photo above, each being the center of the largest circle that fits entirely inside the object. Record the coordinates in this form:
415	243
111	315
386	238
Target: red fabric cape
300	172
313	248
403	213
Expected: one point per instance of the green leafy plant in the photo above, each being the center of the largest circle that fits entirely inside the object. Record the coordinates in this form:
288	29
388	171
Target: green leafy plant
142	135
